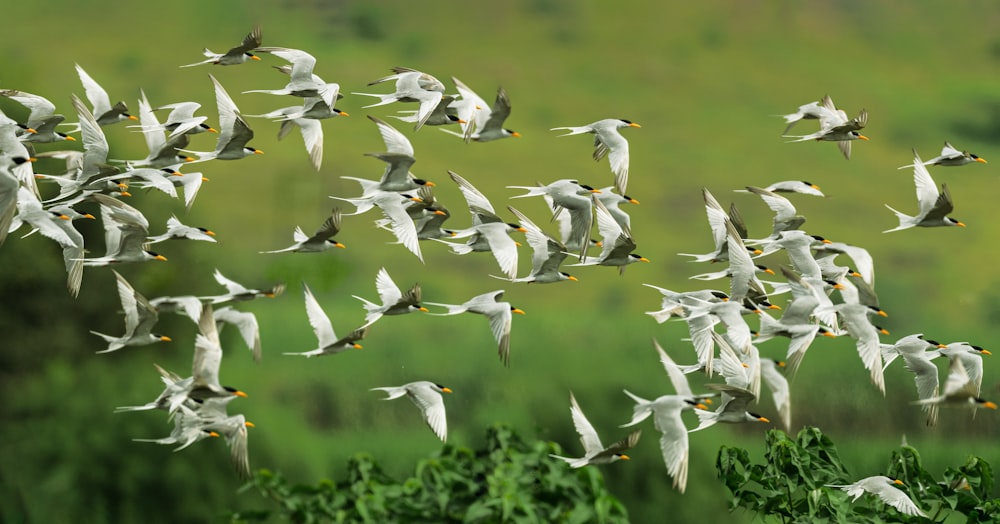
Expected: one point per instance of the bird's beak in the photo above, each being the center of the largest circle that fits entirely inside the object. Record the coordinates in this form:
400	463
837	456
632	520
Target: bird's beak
898	482
210	233
357	346
574	279
212	130
829	334
596	192
416	199
814	186
757	252
769	271
254	57
982	160
204	179
701	406
780	363
446	390
213	434
838	285
160	257
624	457
422	308
248	424
764	420
189	159
862	137
177	173
133	118
32	159
518	311
882	313
343	113
126	194
63	217
855	274
825	241
633	124
122	185
883	331
989	405
708	401
338	244
429	184
521	229
88	215
258	152
165	338
239	393
985	352
959	224
460	121
774	307
634	201
515	134
440	213
941	346
31	130
71	139
643	259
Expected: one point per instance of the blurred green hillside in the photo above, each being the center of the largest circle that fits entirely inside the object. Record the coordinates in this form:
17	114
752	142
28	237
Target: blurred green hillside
705	81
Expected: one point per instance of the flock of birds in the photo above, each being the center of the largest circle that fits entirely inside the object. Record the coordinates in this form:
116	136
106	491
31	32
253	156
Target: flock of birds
829	297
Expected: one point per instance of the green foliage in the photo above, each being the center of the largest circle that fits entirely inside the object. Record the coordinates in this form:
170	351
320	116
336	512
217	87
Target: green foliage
792	484
507	481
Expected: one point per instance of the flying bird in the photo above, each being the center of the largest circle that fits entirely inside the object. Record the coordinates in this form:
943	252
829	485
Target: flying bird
500	315
594	452
885	489
426	396
236	55
834	126
934	206
329	342
608	141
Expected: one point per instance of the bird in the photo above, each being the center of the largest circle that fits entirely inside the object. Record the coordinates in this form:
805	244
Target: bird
959	390
329	342
917	356
791	186
951	157
231	427
302	82
488	231
411	86
570	198
972	360
737	392
834	126
855	320
771	375
236	55
236	292
105	113
796	322
482	125
140	317
612	201
594	453
42	119
163	152
175	229
499	314
234	133
394	301
181	120
247	325
786	218
810	111
547	253
608	141
394	208
717	219
442	115
320	241
934	206
205	384
426	396
617	243
125	234
306	118
885	489
398	158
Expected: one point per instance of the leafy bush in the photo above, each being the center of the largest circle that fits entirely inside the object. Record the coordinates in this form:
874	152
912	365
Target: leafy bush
791	484
508	481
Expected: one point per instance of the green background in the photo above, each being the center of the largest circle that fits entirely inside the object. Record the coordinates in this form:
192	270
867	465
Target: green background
705	81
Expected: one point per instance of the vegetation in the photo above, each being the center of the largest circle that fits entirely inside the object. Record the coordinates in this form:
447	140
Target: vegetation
703	79
792	484
508	480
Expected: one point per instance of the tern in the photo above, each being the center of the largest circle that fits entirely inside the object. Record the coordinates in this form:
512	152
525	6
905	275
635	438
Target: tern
411	86
951	157
482	124
885	489
105	113
594	452
236	55
834	126
140	317
934	205
608	141
234	133
426	396
394	301
329	342
499	314
320	241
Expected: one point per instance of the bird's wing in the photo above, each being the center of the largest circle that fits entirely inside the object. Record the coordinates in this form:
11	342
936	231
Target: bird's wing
432	406
388	291
395	142
588	435
673	444
500	112
246	323
677	377
96	94
927	191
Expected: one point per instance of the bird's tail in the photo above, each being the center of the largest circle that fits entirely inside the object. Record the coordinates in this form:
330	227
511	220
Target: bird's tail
393	392
573	462
905	221
572	130
383	99
641	411
705	419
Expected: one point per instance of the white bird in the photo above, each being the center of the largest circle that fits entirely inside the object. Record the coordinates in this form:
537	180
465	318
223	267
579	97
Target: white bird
499	314
235	55
883	488
740	389
105	113
140	317
482	124
934	205
791	186
617	243
547	253
834	126
238	292
411	86
971	357
917	358
785	215
398	158
865	334
951	157
775	381
234	133
608	141
568	197
717	219
810	111
205	384
329	342
593	451
427	396
488	231
394	302
302	82
394	209
162	151
612	201
959	390
175	229
864	264
181	120
42	120
125	234
320	241
247	325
